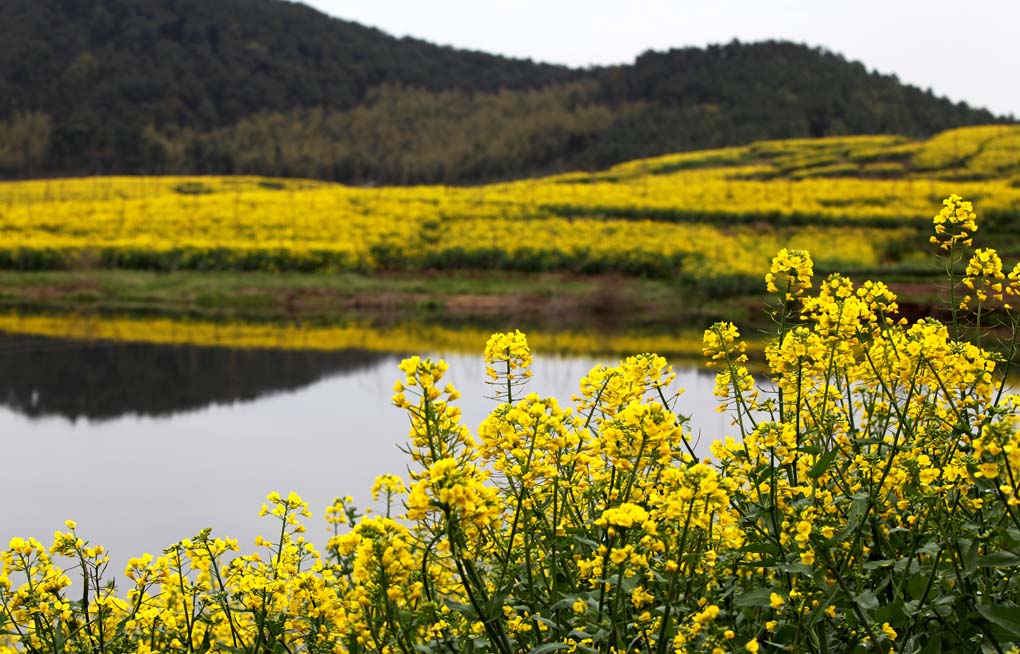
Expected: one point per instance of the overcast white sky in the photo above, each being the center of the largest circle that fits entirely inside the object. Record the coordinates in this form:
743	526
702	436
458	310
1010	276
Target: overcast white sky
964	49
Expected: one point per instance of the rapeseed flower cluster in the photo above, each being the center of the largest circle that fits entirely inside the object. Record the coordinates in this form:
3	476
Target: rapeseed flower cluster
734	383
507	363
984	278
790	274
868	502
955	224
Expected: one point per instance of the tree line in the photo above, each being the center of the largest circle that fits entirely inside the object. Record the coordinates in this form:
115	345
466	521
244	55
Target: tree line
276	88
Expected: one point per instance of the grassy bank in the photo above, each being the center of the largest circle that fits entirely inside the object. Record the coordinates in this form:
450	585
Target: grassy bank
480	296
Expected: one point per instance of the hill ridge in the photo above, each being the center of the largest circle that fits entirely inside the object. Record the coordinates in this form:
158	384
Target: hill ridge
277	88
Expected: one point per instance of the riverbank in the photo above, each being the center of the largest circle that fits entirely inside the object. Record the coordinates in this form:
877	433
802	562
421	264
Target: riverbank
554	299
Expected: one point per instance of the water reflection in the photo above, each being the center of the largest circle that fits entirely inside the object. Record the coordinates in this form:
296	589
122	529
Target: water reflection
100	380
400	337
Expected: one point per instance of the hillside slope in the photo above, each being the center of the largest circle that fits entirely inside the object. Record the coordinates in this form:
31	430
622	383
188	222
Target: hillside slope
277	88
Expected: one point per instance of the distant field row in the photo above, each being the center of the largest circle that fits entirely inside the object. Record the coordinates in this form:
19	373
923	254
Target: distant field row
712	215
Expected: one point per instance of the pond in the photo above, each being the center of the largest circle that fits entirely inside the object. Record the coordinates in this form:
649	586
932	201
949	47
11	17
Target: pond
144	444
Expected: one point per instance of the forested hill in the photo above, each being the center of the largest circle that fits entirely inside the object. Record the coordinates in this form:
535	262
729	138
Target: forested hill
277	88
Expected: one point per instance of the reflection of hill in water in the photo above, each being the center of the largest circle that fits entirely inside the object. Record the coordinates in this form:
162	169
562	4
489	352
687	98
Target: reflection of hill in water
102	380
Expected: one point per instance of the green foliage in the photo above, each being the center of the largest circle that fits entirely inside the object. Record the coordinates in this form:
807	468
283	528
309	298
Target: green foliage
276	88
192	188
24	141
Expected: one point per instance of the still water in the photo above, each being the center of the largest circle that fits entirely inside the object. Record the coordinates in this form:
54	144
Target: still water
144	444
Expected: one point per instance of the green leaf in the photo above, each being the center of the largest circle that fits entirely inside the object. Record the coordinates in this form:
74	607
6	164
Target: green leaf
999	560
587	542
911	608
464	609
1005	617
565	603
761	548
893	613
549	647
759	597
855	516
917	584
867	600
934	645
969	551
822	464
797	568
